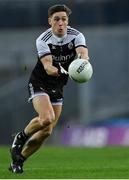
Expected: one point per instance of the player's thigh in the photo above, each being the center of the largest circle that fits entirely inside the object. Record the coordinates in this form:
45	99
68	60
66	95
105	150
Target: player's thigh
57	110
43	106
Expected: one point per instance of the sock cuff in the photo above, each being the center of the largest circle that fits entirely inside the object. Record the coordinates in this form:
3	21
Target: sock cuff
24	135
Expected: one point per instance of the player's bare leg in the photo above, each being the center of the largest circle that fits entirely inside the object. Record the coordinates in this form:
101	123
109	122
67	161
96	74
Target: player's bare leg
39	137
34	143
46	116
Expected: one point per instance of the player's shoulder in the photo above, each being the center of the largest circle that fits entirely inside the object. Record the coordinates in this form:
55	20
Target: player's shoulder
45	35
73	31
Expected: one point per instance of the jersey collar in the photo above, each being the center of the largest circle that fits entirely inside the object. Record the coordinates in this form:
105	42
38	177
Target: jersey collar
58	39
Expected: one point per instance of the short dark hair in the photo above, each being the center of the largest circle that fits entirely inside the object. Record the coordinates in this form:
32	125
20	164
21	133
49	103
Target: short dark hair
58	8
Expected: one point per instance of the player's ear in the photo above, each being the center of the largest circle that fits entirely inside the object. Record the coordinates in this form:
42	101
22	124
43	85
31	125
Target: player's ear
49	21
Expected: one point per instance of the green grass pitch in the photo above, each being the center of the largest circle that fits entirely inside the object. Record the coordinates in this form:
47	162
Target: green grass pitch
71	163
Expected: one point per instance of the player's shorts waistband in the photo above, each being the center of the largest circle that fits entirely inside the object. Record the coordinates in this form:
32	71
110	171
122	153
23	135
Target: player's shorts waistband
35	91
53	101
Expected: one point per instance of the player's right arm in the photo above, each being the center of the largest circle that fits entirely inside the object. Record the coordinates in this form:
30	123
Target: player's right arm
45	57
49	68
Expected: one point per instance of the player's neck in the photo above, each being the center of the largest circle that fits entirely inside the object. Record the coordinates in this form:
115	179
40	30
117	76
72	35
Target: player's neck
59	39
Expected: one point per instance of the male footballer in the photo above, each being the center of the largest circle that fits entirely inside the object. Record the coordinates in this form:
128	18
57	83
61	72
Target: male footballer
57	47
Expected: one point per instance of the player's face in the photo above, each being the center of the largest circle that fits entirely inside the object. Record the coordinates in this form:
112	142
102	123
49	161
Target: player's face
59	22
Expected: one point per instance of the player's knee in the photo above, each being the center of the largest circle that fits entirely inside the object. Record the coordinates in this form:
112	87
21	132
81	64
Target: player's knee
44	122
47	119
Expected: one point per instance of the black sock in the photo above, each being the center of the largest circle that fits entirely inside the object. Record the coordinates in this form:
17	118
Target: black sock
23	136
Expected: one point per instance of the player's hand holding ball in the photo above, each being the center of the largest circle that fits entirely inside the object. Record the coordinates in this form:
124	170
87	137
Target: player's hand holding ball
80	70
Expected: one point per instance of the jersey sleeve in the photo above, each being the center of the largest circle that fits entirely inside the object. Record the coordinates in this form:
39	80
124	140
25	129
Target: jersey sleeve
42	48
80	40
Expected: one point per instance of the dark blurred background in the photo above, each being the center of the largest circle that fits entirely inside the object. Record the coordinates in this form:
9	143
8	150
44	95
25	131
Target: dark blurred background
100	104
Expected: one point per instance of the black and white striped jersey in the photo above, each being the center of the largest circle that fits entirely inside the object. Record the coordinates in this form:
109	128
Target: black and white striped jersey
62	51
